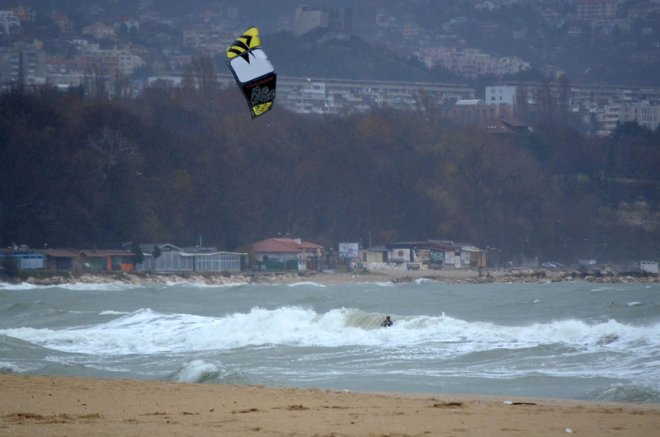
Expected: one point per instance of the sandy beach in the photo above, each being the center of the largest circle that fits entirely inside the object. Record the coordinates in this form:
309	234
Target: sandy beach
62	406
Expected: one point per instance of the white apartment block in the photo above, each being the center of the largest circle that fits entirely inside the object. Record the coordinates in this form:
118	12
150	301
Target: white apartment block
609	104
596	9
471	62
338	96
10	24
110	59
307	19
500	95
22	62
335	96
644	113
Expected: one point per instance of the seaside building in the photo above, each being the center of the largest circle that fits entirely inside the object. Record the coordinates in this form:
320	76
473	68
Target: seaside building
288	254
23	257
436	254
169	258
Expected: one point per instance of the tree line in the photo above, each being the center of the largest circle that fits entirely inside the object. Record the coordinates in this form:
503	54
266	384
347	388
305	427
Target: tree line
180	164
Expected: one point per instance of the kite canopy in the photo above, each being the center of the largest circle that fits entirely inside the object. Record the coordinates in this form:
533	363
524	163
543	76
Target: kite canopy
254	73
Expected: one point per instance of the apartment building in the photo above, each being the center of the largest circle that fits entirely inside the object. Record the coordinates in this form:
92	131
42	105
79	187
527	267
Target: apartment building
609	105
22	62
108	60
471	62
589	10
10	24
337	96
307	19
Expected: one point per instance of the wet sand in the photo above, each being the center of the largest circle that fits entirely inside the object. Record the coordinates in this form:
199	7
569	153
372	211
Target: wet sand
62	406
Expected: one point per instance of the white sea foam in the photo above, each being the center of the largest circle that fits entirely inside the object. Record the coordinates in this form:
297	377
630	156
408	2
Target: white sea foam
113	313
6	367
307	283
196	284
17	287
147	332
196	371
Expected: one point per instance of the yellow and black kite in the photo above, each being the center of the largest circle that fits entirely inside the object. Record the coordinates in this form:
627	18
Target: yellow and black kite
254	73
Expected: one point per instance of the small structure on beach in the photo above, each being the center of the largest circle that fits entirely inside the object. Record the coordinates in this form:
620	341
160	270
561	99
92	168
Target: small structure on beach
436	254
168	258
23	257
288	254
91	260
649	266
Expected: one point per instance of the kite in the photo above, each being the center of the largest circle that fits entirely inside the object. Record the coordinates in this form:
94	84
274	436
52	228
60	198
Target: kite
254	73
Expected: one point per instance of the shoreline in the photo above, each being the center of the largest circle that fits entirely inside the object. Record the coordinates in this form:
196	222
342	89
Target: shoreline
466	276
77	406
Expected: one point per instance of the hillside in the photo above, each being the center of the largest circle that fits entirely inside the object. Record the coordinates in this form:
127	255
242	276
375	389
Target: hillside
177	164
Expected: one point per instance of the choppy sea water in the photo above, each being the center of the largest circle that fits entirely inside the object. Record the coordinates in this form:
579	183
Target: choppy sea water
571	340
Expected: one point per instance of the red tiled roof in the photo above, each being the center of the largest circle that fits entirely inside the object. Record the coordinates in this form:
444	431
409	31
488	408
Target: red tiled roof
284	245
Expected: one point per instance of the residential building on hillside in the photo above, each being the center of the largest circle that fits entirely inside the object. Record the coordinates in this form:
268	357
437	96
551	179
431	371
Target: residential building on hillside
476	112
10	24
22	62
100	31
337	96
596	9
92	58
501	95
471	62
210	40
608	105
307	19
644	113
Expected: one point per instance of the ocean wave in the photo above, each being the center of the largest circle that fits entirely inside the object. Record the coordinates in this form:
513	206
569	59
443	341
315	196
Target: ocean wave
18	287
625	393
113	313
200	371
146	331
6	368
307	283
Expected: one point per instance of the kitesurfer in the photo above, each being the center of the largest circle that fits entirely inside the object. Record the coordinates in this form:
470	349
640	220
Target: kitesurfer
387	322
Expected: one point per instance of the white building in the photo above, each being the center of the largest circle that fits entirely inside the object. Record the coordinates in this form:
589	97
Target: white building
339	96
644	113
500	95
10	24
307	19
26	62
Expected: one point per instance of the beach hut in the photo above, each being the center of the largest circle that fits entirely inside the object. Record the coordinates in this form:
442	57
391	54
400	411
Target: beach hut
288	254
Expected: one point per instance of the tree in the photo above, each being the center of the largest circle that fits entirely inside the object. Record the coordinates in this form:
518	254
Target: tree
155	255
138	256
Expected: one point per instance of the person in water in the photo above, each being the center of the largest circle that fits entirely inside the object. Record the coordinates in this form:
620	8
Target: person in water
387	322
